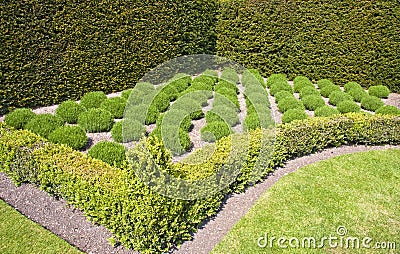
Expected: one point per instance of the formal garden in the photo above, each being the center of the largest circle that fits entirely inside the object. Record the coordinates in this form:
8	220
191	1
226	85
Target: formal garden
80	120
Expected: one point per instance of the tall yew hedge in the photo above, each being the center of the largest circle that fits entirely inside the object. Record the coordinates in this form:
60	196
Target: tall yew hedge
341	40
53	50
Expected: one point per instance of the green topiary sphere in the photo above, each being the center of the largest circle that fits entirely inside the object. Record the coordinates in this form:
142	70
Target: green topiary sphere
301	82
19	117
352	85
214	131
276	78
44	124
357	94
379	91
326	111
327	90
348	106
116	106
93	99
294	114
371	103
388	110
289	103
126	93
127	130
72	136
69	111
280	86
109	152
308	90
312	102
283	94
324	82
96	120
336	97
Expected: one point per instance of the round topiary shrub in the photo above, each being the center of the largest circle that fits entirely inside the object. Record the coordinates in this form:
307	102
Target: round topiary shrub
326	111
176	140
379	91
212	74
276	78
348	106
109	152
254	121
161	101
18	118
127	130
203	79
352	85
72	136
69	111
289	103
96	120
308	90
170	91
294	114
93	99
324	82
357	94
301	82
116	106
336	97
283	94
226	85
371	103
180	84
388	110
214	131
280	86
312	102
327	90
44	124
126	93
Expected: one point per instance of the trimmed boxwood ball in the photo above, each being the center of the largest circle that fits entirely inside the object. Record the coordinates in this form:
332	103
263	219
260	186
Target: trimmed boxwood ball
126	93
19	117
161	101
348	106
283	94
371	103
44	124
93	99
227	85
324	82
133	131
379	91
170	91
294	114
326	111
289	103
280	86
301	82
230	75
276	78
203	79
96	120
336	97
388	110
72	136
212	74
312	102
327	90
357	94
352	85
109	152
176	140
308	90
180	84
115	105
69	111
253	121
214	131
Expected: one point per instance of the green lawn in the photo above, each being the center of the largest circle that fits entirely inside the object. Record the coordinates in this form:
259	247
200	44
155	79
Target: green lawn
360	192
20	235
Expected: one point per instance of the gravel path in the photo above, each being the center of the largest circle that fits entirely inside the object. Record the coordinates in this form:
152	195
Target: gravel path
71	225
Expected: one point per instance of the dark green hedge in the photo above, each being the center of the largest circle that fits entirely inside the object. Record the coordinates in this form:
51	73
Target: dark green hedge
342	40
55	50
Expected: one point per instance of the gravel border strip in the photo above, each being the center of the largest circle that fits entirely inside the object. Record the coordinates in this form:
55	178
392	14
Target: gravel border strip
237	205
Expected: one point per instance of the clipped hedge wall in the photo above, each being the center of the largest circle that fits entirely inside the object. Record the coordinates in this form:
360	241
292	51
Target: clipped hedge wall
145	220
51	51
346	41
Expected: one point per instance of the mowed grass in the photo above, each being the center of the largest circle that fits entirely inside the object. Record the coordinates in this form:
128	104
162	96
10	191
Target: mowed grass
360	192
20	235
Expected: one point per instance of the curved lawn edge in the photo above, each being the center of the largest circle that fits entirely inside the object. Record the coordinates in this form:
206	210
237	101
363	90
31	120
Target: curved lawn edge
237	205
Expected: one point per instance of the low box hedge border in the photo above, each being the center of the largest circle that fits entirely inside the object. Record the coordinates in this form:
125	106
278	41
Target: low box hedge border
142	219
